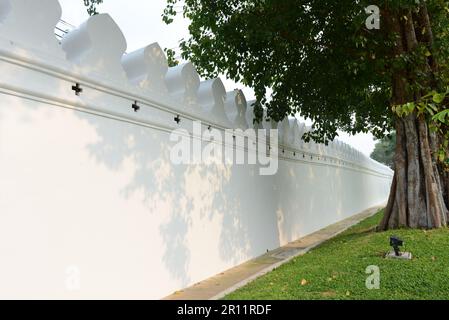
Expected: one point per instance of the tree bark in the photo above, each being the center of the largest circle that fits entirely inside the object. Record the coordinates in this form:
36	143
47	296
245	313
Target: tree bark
418	194
416	197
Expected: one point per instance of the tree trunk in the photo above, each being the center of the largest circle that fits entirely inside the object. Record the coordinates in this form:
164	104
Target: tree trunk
417	197
444	177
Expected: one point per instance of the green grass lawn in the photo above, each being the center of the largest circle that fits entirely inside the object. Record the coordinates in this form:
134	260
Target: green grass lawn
336	269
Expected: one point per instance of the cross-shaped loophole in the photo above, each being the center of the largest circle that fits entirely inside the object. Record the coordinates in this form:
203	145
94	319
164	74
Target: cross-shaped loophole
77	88
135	106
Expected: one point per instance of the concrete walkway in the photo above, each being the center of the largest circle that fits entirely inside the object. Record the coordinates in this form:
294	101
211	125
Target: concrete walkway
222	284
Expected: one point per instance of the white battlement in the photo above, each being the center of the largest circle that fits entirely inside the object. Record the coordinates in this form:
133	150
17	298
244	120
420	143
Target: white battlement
94	55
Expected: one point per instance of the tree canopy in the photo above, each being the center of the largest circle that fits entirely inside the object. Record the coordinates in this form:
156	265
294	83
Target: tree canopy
317	56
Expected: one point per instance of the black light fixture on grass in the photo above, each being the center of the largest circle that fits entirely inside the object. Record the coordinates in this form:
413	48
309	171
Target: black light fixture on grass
395	242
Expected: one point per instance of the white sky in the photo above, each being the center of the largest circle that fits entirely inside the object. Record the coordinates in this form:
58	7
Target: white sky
141	23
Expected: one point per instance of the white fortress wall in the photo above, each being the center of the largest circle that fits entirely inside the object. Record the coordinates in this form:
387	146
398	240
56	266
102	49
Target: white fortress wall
91	206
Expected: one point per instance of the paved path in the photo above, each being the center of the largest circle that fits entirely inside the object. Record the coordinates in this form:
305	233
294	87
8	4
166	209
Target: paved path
222	284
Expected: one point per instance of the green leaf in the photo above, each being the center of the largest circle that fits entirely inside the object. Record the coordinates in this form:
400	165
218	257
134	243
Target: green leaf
438	97
441	117
410	107
433	107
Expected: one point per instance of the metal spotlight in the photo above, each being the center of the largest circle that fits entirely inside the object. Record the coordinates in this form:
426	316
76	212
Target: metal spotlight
395	242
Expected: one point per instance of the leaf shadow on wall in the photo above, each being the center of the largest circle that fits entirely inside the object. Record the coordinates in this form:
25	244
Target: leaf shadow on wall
200	205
